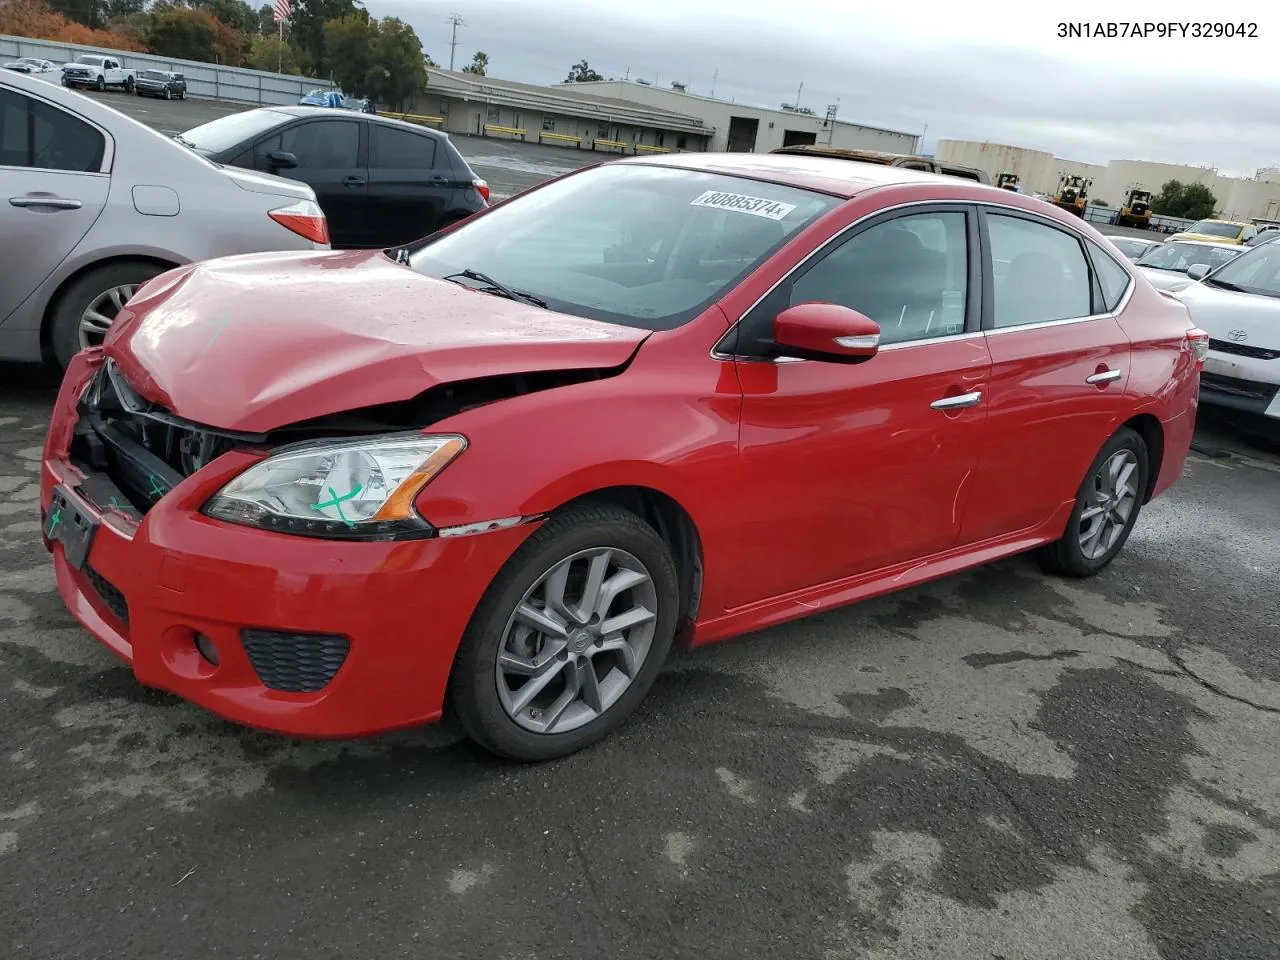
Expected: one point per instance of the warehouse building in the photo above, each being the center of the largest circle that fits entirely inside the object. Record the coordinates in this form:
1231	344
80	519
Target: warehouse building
482	106
739	128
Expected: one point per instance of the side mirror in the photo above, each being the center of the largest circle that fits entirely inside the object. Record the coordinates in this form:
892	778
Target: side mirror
1198	271
282	160
826	332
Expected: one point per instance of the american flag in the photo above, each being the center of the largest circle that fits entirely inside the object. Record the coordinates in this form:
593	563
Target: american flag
282	11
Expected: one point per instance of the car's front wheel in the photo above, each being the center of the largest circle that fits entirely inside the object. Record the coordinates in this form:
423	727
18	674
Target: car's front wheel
569	637
100	84
1107	507
88	307
168	93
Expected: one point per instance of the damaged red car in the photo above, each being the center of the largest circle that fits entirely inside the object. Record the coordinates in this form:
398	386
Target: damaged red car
505	471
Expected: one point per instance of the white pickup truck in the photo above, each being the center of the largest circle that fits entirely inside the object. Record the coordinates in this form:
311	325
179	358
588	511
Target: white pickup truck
98	71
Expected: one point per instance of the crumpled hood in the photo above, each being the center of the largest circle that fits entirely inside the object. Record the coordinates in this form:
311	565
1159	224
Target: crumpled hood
252	343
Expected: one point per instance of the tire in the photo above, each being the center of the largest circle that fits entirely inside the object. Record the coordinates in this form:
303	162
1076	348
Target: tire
168	94
64	331
128	85
100	85
474	696
182	94
1068	556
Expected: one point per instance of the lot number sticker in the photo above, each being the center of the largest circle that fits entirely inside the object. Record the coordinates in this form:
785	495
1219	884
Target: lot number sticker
756	206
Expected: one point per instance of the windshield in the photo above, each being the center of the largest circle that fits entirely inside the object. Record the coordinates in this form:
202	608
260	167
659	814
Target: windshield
1131	248
218	135
91	61
1216	228
153	75
1178	257
644	246
1256	271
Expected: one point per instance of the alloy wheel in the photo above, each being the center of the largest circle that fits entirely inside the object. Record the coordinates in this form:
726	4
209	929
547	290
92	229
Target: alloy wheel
1110	503
576	641
101	312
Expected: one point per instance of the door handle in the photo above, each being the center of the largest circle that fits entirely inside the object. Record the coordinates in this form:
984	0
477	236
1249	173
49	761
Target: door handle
439	179
958	402
1104	376
353	181
55	203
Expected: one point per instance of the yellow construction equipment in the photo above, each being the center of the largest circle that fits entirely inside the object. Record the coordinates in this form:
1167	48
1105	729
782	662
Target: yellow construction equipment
1072	194
1008	181
1136	210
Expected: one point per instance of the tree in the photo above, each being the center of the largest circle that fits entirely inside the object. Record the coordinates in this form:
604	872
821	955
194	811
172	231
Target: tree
580	72
119	9
399	68
348	46
479	64
182	33
306	29
234	13
1190	201
92	13
268	53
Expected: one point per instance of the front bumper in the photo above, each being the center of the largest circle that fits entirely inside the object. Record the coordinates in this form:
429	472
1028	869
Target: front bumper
1240	383
380	622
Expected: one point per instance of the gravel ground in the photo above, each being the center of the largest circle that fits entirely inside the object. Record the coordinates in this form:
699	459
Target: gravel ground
998	765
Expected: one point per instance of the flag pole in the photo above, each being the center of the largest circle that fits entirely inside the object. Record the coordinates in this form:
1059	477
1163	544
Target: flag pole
280	51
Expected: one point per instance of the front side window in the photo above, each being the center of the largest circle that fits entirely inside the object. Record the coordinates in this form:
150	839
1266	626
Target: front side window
1039	272
322	145
909	274
1257	271
34	134
650	247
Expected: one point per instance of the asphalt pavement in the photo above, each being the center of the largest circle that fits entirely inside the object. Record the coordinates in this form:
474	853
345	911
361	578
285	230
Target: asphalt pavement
997	766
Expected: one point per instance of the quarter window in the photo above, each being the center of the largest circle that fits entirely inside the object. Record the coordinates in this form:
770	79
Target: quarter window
1113	278
909	274
402	150
34	134
1040	273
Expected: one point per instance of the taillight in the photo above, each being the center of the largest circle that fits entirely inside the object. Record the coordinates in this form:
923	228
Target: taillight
1199	341
482	188
305	219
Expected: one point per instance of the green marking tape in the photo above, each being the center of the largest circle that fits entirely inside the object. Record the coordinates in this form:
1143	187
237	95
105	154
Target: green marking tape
337	501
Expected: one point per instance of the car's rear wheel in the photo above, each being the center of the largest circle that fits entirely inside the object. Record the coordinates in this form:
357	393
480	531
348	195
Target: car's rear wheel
1107	507
89	306
569	637
128	84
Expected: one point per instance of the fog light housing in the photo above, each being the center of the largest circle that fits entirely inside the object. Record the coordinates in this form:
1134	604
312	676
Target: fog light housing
206	649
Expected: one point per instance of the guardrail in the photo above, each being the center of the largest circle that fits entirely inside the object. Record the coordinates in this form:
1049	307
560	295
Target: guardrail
508	131
560	137
206	80
609	144
646	148
420	119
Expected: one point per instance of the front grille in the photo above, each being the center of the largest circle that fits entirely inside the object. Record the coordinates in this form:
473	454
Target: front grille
1243	350
1239	388
110	595
294	662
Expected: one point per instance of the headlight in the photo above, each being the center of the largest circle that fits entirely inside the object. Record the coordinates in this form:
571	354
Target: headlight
345	490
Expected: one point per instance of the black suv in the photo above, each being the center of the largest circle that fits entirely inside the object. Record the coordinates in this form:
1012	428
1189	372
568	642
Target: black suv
161	83
380	182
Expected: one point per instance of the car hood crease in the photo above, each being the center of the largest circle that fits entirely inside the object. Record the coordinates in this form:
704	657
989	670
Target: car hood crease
258	342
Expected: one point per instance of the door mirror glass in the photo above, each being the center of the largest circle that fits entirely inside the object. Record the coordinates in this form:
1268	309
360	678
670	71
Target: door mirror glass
827	332
1198	271
282	160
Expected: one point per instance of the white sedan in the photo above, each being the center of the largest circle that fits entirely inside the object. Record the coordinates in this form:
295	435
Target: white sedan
1166	266
33	65
1238	304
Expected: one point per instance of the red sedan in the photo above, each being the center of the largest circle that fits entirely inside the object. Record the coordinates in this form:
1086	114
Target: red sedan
656	402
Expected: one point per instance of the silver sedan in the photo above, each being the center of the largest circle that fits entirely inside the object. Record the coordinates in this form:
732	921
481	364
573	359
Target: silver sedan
94	203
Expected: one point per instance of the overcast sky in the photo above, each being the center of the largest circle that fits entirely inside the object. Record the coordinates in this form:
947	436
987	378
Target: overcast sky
994	71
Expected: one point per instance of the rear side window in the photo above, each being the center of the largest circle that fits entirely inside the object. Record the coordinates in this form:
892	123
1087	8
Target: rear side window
402	150
34	134
1039	272
1112	277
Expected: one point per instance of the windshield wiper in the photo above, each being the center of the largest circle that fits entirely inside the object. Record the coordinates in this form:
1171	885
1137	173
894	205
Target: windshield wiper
496	287
184	141
1213	282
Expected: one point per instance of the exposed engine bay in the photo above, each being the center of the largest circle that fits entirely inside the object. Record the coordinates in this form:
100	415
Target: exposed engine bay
134	451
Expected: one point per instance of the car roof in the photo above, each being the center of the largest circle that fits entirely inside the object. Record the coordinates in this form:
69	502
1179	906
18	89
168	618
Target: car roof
1205	243
834	175
1231	223
299	110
